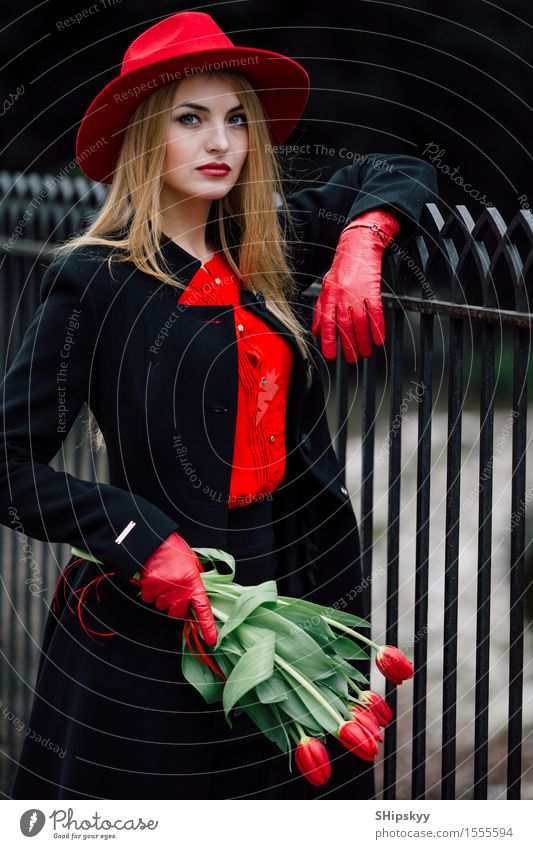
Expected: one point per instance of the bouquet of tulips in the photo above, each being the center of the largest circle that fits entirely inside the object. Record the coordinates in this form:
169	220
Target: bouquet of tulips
286	663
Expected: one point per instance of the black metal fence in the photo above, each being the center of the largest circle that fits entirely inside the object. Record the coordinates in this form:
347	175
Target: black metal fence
468	276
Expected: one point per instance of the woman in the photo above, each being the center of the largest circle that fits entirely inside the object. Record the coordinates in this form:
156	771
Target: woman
178	318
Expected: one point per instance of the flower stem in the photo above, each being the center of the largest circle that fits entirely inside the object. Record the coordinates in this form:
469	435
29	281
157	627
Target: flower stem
309	687
294	735
347	630
340	626
301	731
223	616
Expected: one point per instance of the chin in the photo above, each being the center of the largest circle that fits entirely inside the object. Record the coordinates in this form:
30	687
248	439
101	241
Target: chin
213	192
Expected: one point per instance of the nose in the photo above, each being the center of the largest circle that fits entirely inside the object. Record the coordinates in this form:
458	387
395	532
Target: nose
217	138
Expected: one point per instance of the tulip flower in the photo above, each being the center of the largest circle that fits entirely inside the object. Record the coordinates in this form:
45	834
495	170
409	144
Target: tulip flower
393	664
312	760
380	707
358	739
367	717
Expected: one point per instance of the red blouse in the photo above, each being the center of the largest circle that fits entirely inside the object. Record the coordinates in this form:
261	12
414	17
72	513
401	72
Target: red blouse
264	363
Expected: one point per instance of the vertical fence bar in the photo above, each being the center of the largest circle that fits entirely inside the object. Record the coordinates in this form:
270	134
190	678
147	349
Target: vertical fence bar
367	480
393	542
29	611
486	416
341	407
451	558
422	557
516	571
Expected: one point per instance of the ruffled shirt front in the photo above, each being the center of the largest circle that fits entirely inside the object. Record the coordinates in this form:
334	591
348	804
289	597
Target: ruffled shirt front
264	363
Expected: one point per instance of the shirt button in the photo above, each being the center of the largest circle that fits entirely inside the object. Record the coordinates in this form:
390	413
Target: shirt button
306	442
272	438
240	327
344	490
218	281
264	381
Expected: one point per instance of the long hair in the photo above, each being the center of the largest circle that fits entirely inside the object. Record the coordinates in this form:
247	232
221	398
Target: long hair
245	221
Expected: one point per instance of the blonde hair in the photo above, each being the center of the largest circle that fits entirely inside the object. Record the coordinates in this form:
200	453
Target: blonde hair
246	219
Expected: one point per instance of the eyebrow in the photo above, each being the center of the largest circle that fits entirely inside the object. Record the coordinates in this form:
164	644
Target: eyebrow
205	108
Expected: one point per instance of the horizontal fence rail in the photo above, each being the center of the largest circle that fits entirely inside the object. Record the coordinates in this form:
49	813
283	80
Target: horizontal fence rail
462	278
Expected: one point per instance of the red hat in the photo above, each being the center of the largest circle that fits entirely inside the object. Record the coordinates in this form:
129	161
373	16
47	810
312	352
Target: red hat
176	48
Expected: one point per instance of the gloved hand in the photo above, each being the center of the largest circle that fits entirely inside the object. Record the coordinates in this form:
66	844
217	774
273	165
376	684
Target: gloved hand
171	579
352	288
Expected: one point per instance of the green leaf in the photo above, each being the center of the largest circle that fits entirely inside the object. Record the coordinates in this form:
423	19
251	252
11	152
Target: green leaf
85	555
309	621
313	710
249	635
334	700
272	690
210	556
294	644
348	648
256	665
358	676
344	618
268	721
231	646
225	662
338	684
294	708
250	599
213	554
202	677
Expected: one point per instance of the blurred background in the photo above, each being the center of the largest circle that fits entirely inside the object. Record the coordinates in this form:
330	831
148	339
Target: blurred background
452	79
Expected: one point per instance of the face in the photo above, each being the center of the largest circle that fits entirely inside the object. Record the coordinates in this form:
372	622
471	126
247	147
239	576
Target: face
213	129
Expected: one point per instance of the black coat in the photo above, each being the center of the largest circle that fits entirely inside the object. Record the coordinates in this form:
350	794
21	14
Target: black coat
153	372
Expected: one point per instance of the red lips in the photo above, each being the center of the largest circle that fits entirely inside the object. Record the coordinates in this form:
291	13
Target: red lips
219	166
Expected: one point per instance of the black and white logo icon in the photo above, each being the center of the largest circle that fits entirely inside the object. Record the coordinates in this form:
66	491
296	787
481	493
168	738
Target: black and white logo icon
32	822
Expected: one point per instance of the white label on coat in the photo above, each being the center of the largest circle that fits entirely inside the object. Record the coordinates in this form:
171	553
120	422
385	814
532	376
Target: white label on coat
126	531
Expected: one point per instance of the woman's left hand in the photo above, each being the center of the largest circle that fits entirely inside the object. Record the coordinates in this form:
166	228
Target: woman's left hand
351	289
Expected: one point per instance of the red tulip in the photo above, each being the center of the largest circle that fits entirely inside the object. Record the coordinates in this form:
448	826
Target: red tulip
312	760
358	739
368	718
393	664
380	707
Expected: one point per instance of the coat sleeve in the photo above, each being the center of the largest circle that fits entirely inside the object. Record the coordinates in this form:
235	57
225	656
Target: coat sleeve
40	398
395	182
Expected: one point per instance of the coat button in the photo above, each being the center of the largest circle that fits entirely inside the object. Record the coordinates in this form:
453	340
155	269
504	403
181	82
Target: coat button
240	327
264	381
306	442
218	281
272	438
344	490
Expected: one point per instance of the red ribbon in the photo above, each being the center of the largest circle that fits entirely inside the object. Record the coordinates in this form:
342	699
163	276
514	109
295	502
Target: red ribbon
82	592
193	625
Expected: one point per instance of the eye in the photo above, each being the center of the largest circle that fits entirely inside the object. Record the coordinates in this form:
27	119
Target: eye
240	115
187	115
182	119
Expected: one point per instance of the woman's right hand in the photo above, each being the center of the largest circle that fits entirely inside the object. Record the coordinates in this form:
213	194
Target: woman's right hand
170	578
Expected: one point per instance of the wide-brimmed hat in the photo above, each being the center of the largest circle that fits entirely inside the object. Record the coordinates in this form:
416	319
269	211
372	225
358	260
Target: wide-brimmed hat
176	48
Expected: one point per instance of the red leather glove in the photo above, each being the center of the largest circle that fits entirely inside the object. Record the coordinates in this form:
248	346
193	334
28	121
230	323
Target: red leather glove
170	578
352	288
